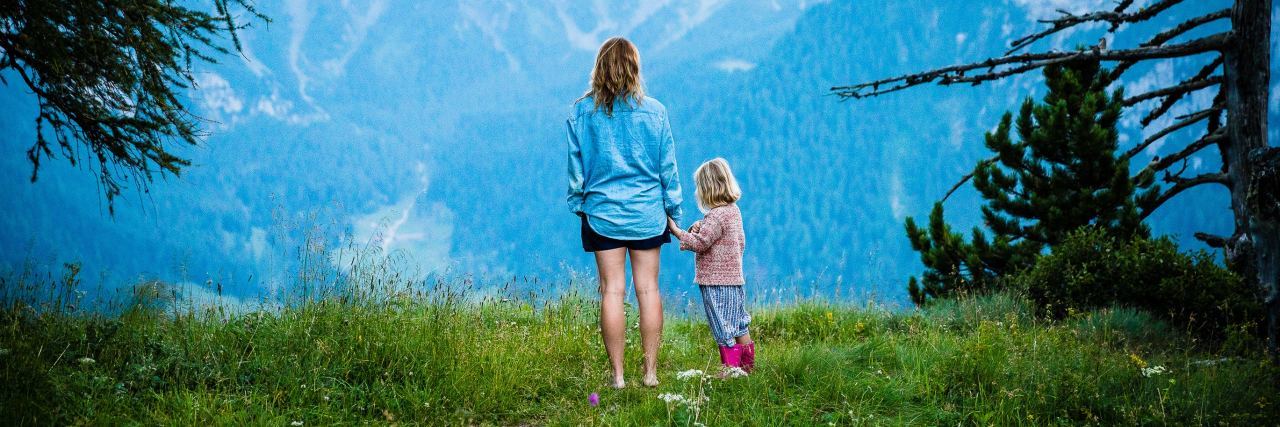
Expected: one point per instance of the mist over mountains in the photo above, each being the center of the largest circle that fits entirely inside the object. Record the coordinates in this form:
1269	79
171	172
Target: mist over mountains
437	129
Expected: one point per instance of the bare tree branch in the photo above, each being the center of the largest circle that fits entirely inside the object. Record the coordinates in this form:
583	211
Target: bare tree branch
1179	90
1026	62
1189	120
1163	37
1115	17
967	177
1185	26
1161	163
1183	184
1212	240
1168	102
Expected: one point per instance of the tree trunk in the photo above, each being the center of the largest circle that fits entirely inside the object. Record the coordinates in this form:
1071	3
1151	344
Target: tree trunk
1254	248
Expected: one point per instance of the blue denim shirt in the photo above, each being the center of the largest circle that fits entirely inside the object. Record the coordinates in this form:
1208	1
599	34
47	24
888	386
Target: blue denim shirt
622	169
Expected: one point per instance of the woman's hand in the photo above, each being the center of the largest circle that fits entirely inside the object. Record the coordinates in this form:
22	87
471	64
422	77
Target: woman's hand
675	228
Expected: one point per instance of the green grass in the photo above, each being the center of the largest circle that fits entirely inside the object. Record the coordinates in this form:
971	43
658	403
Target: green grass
512	362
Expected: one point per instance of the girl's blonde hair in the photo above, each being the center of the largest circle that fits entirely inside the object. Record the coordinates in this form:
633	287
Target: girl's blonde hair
716	185
616	75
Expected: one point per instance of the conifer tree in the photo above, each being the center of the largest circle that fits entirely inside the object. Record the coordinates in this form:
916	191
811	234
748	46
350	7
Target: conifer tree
108	78
1062	173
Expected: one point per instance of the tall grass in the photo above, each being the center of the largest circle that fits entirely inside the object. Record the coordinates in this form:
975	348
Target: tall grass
445	358
355	339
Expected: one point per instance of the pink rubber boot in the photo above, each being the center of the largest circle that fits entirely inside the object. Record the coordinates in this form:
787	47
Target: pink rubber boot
731	356
748	359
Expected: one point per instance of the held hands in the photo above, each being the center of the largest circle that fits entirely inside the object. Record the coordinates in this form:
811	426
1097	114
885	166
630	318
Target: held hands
675	228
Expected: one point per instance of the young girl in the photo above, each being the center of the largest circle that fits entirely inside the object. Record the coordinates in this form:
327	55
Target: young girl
718	240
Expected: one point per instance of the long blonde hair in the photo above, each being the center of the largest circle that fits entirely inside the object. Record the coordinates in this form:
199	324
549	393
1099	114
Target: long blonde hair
716	185
616	75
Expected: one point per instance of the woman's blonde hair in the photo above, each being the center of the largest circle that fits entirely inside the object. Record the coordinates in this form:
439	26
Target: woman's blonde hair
716	185
616	75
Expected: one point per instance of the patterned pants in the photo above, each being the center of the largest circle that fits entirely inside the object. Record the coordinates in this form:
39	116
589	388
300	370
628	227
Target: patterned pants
726	312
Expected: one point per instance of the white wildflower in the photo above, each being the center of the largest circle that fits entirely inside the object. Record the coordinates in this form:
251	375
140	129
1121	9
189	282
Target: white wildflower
1153	371
672	398
86	360
692	373
4	351
326	398
732	372
296	423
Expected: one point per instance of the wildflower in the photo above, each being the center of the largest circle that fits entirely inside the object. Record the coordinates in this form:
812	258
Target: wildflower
296	423
672	398
859	327
831	317
1141	364
326	398
692	373
732	372
4	351
86	361
1153	371
594	398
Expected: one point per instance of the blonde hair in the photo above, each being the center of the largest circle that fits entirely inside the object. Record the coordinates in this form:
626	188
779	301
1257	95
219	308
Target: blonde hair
616	75
716	185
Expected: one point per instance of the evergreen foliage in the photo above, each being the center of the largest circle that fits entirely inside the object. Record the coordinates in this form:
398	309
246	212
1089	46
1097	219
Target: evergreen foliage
1061	174
107	78
1092	268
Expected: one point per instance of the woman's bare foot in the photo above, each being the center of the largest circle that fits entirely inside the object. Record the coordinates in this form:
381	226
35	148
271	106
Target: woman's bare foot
651	380
619	383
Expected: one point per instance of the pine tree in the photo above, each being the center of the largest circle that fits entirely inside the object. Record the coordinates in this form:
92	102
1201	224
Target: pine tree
1062	173
107	78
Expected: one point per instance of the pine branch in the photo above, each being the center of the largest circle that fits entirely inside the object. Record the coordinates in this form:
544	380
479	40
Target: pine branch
1116	18
1026	62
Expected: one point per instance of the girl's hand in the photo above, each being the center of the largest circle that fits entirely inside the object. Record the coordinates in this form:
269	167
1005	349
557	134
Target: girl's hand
694	228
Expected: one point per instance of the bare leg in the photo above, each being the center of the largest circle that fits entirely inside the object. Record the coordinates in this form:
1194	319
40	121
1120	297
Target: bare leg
644	273
744	339
612	268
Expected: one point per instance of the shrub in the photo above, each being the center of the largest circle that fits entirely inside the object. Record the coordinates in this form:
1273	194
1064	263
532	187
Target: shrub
1093	269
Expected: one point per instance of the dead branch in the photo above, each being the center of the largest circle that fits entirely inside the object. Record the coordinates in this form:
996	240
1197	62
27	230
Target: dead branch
1179	90
1161	163
1186	120
1212	240
1163	37
967	177
1181	184
1115	17
1168	102
1029	61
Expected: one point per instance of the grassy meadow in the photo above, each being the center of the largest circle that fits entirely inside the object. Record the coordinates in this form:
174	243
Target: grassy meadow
445	358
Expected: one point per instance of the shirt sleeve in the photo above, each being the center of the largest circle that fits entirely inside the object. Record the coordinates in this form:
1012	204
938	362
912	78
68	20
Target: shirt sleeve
670	174
708	233
576	191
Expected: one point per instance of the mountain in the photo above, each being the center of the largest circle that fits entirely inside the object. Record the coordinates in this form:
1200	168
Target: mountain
435	130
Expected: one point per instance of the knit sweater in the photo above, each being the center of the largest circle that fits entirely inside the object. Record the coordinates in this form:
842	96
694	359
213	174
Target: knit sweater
719	241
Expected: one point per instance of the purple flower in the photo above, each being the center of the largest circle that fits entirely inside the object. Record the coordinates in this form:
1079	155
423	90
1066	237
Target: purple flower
594	399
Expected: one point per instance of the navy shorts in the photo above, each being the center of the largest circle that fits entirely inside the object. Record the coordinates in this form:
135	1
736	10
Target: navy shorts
592	242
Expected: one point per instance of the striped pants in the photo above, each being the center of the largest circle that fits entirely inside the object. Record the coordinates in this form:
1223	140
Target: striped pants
726	312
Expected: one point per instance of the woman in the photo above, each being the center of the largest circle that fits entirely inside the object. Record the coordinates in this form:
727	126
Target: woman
623	184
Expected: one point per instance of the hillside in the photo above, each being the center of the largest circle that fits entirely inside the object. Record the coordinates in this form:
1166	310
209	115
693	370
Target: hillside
446	358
